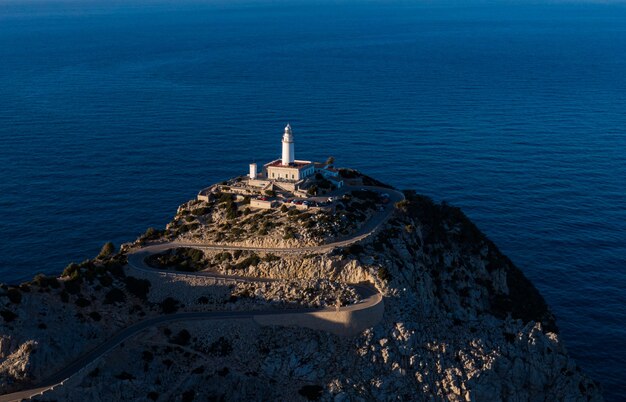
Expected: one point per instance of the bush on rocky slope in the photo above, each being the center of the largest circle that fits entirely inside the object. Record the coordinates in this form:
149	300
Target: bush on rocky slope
446	224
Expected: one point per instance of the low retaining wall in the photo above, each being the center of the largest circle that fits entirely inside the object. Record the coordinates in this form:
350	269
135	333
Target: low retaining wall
347	321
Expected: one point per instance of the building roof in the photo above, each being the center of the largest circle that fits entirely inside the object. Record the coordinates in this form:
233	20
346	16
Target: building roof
295	165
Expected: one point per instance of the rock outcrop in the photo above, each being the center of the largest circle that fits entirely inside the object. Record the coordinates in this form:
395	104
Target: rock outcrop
461	323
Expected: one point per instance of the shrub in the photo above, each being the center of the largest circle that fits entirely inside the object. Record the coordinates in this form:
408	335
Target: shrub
65	297
349	173
403	205
137	287
82	302
107	250
224	197
71	270
201	211
125	376
116	266
188	396
231	210
283	208
311	392
14	295
223	256
289	234
198	370
105	280
8	316
153	395
253	260
182	338
169	305
72	286
384	274
354	249
271	258
44	281
221	347
95	316
147	356
114	295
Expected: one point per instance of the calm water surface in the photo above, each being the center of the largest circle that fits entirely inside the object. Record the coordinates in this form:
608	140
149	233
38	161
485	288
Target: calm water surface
111	115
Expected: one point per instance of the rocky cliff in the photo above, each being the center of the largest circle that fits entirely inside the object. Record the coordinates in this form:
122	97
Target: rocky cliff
461	323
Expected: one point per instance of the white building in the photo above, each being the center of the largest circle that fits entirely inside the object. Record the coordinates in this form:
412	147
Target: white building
288	168
290	174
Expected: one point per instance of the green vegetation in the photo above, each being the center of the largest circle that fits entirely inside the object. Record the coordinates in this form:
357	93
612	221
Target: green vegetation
72	286
169	305
137	287
221	347
82	302
349	173
384	274
125	376
14	295
289	233
182	338
252	260
151	234
223	256
201	211
353	249
271	258
114	295
181	259
8	315
523	301
107	250
311	392
71	271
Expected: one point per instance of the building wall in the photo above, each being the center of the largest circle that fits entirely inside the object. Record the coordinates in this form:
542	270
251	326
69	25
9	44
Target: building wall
279	172
254	203
289	173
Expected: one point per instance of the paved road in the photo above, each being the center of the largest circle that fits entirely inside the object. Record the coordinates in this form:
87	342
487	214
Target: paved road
136	260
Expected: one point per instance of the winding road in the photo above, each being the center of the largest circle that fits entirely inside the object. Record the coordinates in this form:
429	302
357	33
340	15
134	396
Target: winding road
136	260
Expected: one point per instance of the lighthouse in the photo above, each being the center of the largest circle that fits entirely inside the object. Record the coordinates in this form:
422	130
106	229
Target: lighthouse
288	147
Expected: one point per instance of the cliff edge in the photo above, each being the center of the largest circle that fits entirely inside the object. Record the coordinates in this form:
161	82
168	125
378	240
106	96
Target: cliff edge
460	321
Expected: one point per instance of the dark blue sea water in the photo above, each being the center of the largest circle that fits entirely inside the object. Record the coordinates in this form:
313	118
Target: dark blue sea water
113	113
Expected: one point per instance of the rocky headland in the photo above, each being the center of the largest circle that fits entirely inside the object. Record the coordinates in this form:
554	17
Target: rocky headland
460	321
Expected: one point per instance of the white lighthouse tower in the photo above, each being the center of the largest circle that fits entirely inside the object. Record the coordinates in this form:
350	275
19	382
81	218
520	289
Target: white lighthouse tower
288	147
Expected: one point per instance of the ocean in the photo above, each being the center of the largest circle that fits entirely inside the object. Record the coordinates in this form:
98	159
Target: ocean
114	113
